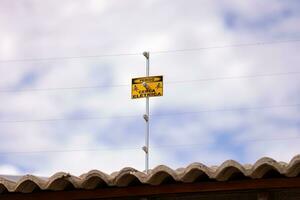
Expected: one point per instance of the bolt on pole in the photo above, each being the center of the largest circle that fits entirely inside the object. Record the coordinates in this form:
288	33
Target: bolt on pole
147	118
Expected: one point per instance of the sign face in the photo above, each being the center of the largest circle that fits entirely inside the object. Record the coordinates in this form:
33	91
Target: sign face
151	86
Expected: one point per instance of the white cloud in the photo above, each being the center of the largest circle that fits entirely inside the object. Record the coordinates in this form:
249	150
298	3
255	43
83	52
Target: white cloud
102	27
9	169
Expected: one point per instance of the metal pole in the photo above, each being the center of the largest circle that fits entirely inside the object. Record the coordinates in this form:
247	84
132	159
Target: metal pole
147	119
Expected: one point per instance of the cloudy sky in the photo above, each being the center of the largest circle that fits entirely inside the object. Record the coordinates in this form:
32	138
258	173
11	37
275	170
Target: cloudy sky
59	112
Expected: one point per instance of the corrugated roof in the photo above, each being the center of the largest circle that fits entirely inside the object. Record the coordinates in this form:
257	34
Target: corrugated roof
195	172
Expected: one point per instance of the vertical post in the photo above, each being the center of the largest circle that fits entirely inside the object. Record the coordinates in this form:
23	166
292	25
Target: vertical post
147	119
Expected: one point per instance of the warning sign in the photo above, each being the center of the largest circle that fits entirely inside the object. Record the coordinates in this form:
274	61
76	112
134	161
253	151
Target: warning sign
151	86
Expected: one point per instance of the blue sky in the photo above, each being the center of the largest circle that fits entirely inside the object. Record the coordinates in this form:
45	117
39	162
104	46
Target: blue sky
219	131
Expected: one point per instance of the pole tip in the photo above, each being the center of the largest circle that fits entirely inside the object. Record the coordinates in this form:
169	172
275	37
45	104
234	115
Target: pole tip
146	54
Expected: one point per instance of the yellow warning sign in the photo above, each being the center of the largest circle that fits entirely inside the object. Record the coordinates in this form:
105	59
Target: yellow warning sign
151	86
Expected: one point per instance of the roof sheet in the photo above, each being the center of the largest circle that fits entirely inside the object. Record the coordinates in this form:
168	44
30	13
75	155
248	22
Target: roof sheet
195	172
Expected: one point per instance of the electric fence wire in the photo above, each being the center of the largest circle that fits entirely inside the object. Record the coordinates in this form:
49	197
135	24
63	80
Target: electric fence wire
240	45
165	146
156	115
10	90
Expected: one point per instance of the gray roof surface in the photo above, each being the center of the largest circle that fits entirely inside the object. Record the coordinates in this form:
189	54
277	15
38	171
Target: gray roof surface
230	169
14	178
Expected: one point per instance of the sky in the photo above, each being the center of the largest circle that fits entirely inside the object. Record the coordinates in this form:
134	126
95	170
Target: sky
223	100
